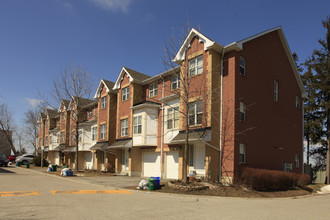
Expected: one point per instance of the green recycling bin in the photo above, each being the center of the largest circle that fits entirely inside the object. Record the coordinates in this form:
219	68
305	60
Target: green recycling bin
54	167
27	165
152	182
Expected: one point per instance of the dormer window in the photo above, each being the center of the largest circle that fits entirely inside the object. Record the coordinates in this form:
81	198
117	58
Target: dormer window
153	89
125	94
196	66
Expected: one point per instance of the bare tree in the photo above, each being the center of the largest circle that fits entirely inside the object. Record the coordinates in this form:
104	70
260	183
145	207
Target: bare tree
7	125
31	122
188	89
20	134
74	84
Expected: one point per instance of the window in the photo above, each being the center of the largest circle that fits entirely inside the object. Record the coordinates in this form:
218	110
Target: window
296	159
94	133
195	113
191	155
297	102
196	66
90	113
275	91
153	89
58	138
74	114
287	167
124	127
62	137
125	94
79	136
63	116
173	118
242	153
103	102
175	82
137	124
102	133
73	137
46	141
242	111
242	66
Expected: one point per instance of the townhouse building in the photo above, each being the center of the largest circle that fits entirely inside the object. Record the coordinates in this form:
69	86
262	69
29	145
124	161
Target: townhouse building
236	105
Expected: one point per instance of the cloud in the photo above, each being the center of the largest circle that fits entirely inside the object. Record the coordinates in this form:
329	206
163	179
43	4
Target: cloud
113	5
33	102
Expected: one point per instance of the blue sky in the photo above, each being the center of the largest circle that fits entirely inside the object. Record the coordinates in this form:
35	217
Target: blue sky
39	37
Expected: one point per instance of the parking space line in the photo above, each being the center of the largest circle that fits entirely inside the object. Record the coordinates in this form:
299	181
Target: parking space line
66	192
19	193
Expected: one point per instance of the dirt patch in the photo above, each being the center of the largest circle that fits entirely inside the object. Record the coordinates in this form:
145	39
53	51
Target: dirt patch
236	191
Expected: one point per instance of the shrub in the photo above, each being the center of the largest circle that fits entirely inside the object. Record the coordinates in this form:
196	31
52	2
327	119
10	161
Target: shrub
37	161
262	179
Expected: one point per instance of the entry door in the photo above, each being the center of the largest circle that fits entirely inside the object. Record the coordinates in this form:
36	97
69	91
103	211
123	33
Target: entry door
57	158
172	165
125	159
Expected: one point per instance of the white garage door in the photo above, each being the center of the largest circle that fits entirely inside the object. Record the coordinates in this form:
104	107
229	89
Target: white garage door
151	164
172	165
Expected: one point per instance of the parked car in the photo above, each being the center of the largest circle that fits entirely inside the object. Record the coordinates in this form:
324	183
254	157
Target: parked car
12	158
3	160
25	158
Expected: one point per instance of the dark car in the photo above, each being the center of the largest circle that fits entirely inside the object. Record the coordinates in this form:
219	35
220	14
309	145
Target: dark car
3	160
12	158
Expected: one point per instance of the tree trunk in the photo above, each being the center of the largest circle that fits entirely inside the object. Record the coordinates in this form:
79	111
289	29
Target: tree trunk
77	142
307	150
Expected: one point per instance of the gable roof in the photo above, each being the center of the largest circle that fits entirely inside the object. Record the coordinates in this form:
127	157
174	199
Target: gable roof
82	102
51	113
209	44
133	76
65	103
108	85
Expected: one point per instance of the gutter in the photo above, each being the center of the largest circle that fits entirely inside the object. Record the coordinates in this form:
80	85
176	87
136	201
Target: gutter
221	106
162	132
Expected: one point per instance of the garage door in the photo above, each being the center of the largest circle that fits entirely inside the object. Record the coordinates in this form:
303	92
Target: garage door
172	165
151	164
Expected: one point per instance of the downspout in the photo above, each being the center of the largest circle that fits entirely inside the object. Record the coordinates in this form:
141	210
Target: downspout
162	133
221	106
302	110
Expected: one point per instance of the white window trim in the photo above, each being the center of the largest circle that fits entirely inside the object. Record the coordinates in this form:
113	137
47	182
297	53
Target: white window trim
195	113
125	94
153	89
175	80
103	131
194	68
242	151
90	113
171	112
103	102
94	128
242	111
137	125
124	128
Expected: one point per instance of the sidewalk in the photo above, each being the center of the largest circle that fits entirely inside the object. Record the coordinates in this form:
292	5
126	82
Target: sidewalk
106	181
